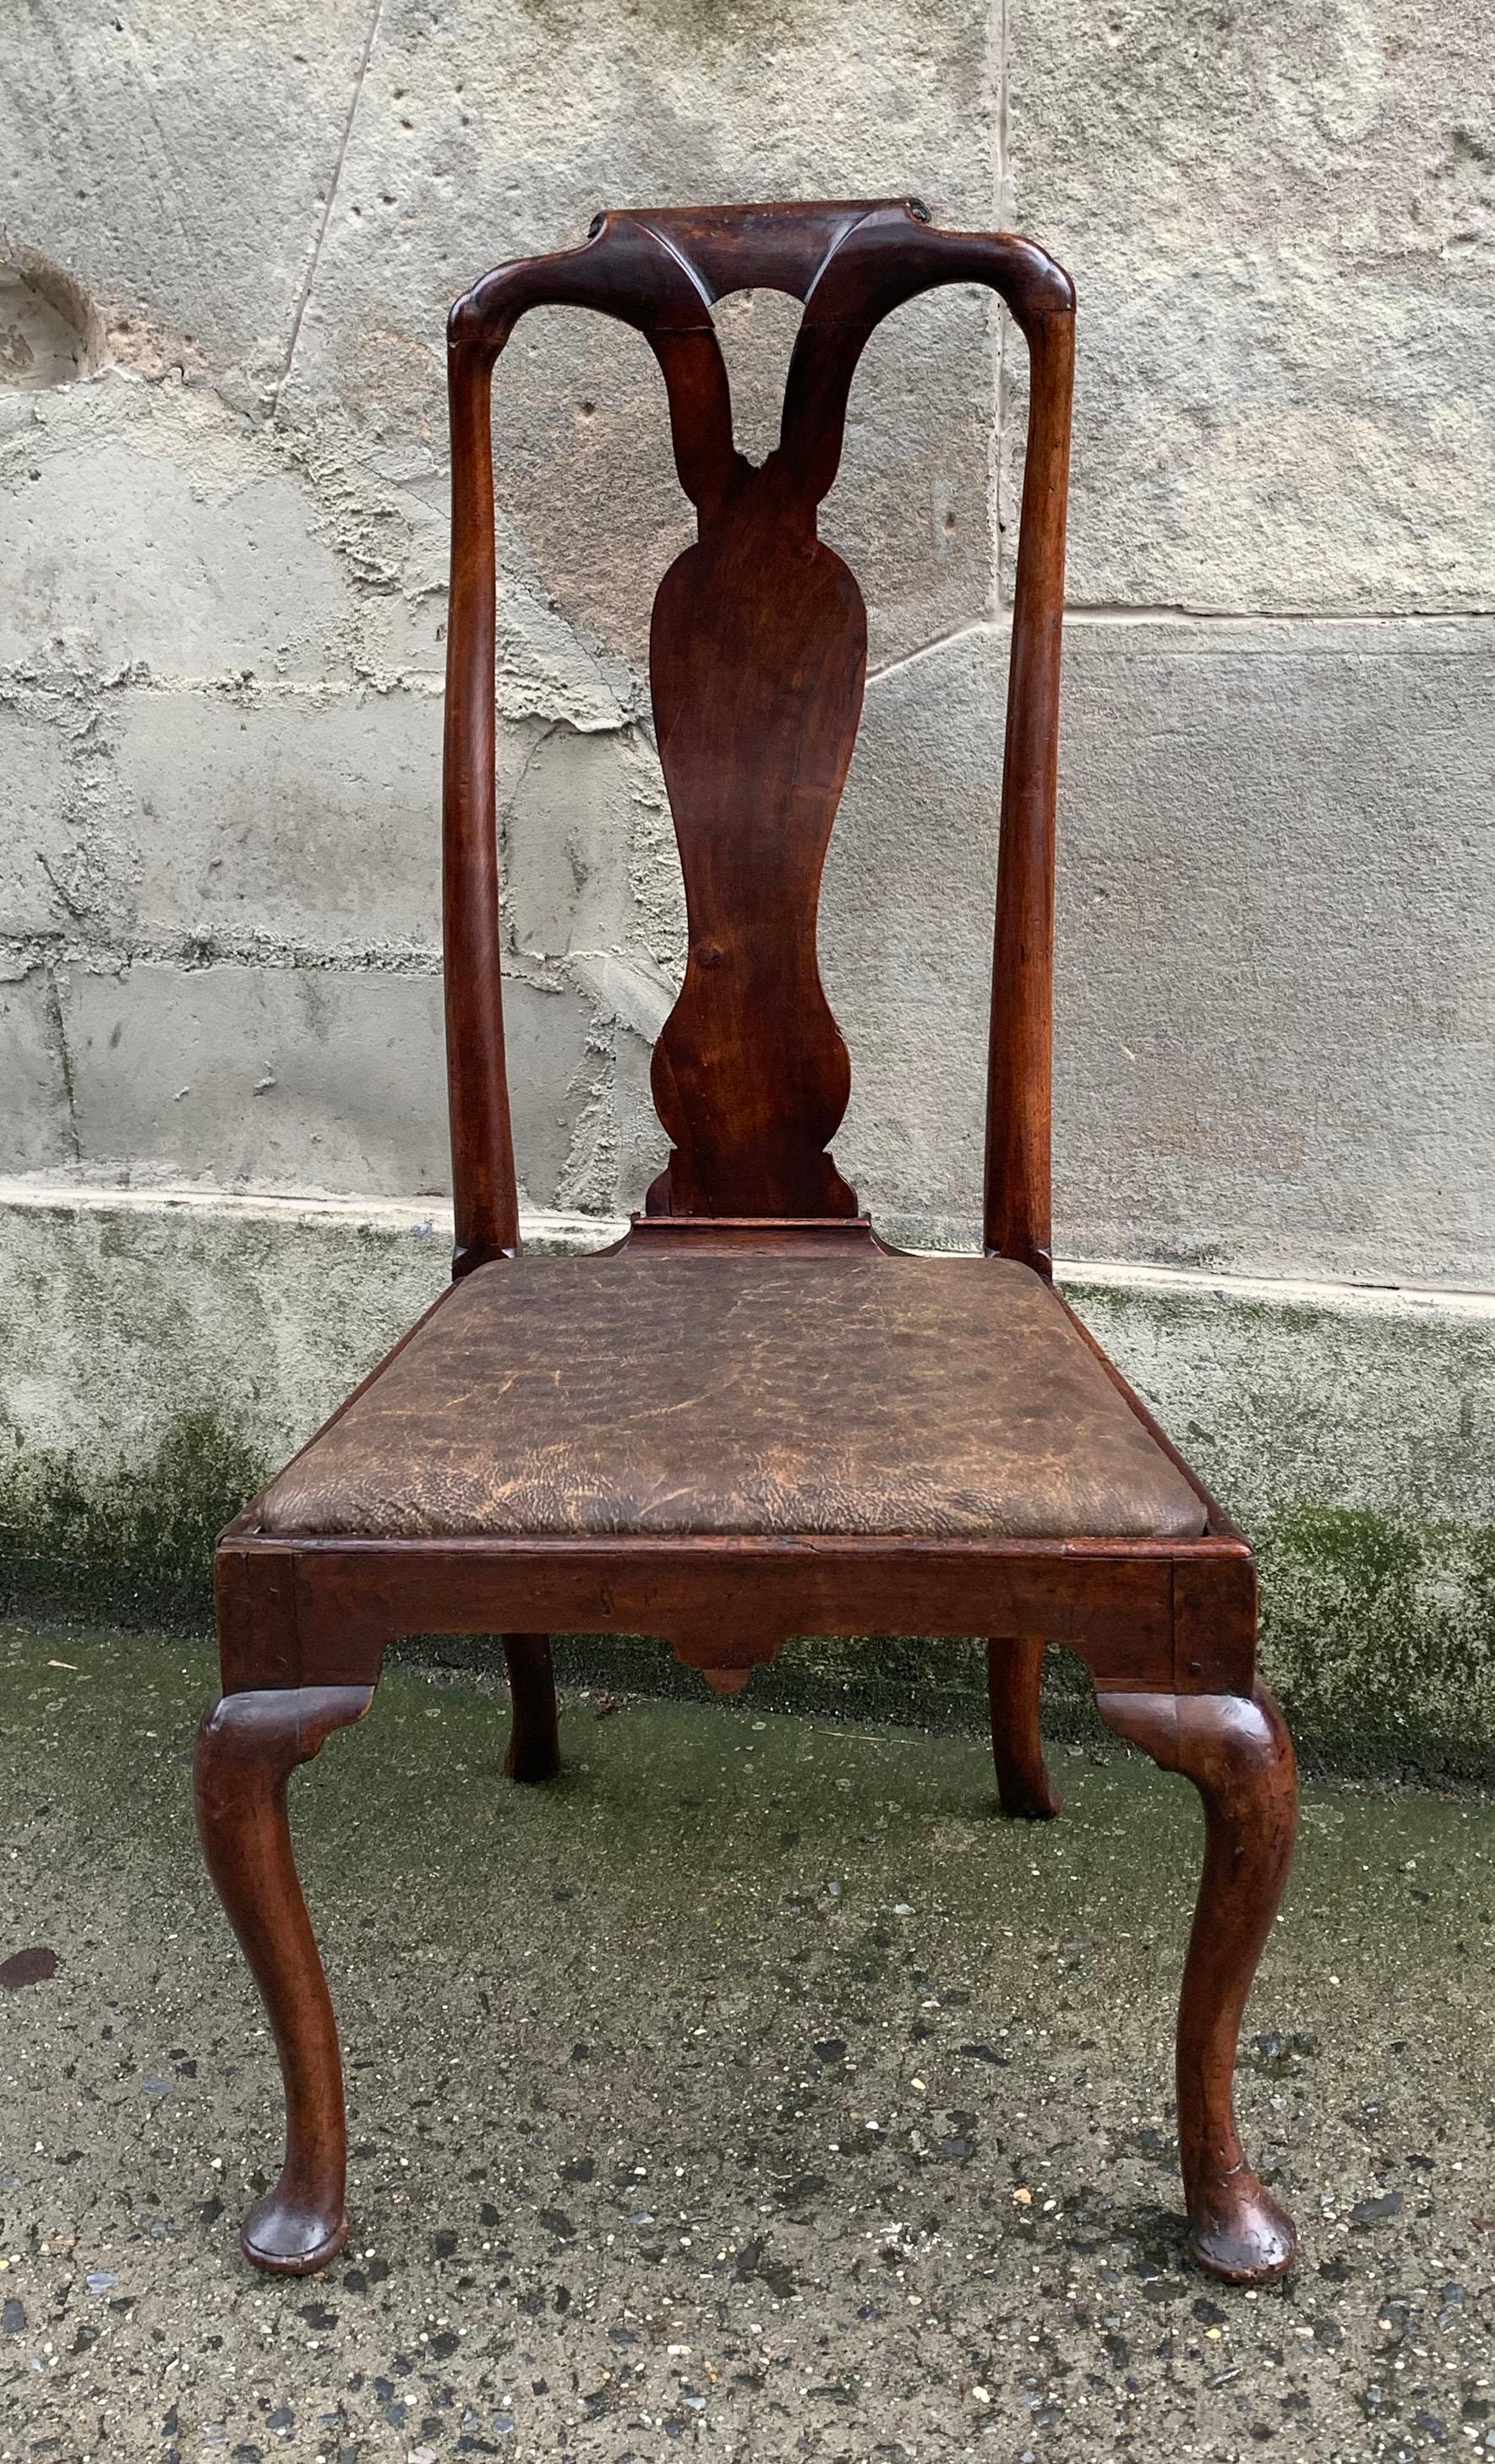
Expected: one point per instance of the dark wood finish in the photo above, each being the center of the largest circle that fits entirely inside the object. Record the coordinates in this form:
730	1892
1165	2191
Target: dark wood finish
757	663
1014	1677
247	1749
758	660
1238	1753
805	1236
733	1601
534	1737
1020	1064
484	1186
758	667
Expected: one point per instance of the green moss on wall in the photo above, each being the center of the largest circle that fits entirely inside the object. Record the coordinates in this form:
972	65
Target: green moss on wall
1379	1637
132	1547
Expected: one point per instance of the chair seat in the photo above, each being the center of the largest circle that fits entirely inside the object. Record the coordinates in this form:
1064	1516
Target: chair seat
751	1394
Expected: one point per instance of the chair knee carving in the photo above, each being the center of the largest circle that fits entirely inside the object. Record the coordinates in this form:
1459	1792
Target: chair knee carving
886	1443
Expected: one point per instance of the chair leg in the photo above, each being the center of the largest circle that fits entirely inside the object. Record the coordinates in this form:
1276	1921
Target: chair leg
1239	1755
247	1749
534	1738
1014	1672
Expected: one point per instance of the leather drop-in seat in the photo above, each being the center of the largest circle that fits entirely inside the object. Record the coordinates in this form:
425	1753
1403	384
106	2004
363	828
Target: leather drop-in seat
669	1393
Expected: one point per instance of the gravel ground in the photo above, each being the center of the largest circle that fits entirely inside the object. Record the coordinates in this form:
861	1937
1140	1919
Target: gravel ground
755	2090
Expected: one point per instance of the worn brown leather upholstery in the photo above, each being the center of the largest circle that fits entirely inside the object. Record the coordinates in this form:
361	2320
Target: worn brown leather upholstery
747	1394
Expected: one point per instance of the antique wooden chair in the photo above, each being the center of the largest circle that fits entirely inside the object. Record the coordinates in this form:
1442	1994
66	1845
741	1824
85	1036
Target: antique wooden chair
752	1418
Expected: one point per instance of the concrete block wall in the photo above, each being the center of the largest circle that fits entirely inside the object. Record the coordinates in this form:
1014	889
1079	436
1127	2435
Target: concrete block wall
228	242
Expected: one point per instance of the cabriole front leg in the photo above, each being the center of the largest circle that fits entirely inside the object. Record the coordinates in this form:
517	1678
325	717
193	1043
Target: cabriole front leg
1238	1753
247	1749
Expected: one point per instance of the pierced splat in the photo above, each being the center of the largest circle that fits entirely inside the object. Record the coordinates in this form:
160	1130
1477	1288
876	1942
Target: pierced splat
758	665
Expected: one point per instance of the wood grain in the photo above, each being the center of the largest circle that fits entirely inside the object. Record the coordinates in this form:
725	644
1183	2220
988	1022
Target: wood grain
758	661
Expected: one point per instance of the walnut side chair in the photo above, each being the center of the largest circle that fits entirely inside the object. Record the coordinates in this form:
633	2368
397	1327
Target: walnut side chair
752	1418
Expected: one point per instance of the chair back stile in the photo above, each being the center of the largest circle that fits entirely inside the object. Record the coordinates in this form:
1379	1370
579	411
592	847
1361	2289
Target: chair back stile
483	1179
1017	1196
758	665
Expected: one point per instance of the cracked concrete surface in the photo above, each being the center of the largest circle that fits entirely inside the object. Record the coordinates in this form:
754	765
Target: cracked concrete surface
753	2091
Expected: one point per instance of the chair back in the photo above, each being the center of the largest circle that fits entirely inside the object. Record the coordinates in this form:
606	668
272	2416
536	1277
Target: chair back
758	660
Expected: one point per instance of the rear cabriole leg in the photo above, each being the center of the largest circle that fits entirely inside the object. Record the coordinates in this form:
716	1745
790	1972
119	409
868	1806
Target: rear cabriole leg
1014	1677
535	1737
